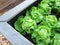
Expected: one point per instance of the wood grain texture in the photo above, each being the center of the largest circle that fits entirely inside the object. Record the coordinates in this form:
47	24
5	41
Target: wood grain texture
5	3
9	6
4	41
16	10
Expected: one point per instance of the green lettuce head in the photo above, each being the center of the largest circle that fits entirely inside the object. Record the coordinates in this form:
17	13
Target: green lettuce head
50	21
57	5
56	39
45	7
18	25
28	24
36	15
42	33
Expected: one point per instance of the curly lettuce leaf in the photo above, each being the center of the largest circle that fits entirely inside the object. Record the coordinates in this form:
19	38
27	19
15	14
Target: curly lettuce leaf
50	21
56	39
36	15
18	26
57	5
42	33
28	24
57	27
45	7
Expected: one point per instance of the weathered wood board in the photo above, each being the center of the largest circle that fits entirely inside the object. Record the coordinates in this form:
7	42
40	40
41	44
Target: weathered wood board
12	35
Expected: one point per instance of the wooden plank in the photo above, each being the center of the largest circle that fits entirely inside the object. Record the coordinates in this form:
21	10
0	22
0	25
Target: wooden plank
12	35
5	3
14	11
12	5
4	41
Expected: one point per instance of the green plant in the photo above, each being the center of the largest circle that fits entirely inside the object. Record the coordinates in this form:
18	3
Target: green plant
40	23
28	24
